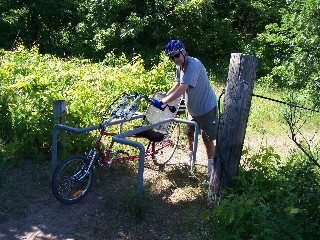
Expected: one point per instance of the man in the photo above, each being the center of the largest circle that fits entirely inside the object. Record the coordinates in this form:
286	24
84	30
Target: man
192	81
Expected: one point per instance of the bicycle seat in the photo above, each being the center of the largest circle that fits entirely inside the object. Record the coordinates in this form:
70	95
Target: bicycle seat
152	135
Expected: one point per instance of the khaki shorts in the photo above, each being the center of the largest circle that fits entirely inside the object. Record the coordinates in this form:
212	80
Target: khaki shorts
208	124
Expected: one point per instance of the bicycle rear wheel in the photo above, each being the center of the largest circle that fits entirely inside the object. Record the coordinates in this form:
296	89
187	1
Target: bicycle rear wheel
72	179
164	150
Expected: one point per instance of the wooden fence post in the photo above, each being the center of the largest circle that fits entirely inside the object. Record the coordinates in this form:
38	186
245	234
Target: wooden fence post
59	110
233	123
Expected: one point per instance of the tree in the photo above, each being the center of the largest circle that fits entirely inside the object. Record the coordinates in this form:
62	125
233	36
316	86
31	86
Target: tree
48	23
290	50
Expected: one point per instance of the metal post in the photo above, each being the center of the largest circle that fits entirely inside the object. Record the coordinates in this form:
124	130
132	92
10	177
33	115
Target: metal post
56	127
120	138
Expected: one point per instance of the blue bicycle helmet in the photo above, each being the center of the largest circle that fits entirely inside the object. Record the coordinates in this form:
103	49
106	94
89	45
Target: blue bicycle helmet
173	46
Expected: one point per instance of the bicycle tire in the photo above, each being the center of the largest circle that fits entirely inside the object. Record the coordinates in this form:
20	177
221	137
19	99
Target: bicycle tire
165	149
69	185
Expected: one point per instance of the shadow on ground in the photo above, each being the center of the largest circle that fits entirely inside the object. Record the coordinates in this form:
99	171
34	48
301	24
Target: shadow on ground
172	202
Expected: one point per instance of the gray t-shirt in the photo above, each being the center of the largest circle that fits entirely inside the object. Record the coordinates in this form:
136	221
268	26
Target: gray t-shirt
200	96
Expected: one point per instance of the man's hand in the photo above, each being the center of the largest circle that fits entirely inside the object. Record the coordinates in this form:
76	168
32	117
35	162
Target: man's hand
156	102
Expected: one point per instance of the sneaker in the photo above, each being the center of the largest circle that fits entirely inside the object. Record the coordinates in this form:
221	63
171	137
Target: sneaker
210	167
206	181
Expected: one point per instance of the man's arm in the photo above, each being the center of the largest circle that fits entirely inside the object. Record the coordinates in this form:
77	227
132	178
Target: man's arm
175	92
173	88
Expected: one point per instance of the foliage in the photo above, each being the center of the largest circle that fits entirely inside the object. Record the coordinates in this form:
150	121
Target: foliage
91	29
289	49
284	34
31	81
272	200
48	23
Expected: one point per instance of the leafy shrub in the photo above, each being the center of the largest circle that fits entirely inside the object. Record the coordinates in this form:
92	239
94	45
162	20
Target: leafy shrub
272	200
31	81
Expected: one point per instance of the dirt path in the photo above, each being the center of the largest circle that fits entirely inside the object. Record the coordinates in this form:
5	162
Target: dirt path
34	213
172	203
30	211
44	220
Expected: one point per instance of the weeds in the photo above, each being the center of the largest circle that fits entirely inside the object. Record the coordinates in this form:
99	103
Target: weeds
272	200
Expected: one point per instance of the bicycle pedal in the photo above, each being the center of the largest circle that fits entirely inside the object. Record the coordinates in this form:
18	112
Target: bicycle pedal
98	163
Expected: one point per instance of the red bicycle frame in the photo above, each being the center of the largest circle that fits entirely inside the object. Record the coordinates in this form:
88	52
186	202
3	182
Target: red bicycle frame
152	148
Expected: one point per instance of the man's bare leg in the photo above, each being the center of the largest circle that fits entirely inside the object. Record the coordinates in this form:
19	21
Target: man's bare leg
190	142
210	148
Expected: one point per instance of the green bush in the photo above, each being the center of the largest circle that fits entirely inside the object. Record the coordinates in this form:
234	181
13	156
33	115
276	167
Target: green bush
31	81
289	49
272	200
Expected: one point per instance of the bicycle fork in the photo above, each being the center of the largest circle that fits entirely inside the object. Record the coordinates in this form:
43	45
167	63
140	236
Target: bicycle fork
84	171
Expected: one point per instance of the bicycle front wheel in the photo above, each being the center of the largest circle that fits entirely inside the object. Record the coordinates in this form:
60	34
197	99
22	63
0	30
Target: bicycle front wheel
164	150
72	179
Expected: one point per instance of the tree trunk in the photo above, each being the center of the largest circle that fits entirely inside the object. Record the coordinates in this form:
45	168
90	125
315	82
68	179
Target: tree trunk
232	125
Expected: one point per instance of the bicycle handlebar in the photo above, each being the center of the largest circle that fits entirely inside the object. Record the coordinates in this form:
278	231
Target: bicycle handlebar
126	110
171	108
